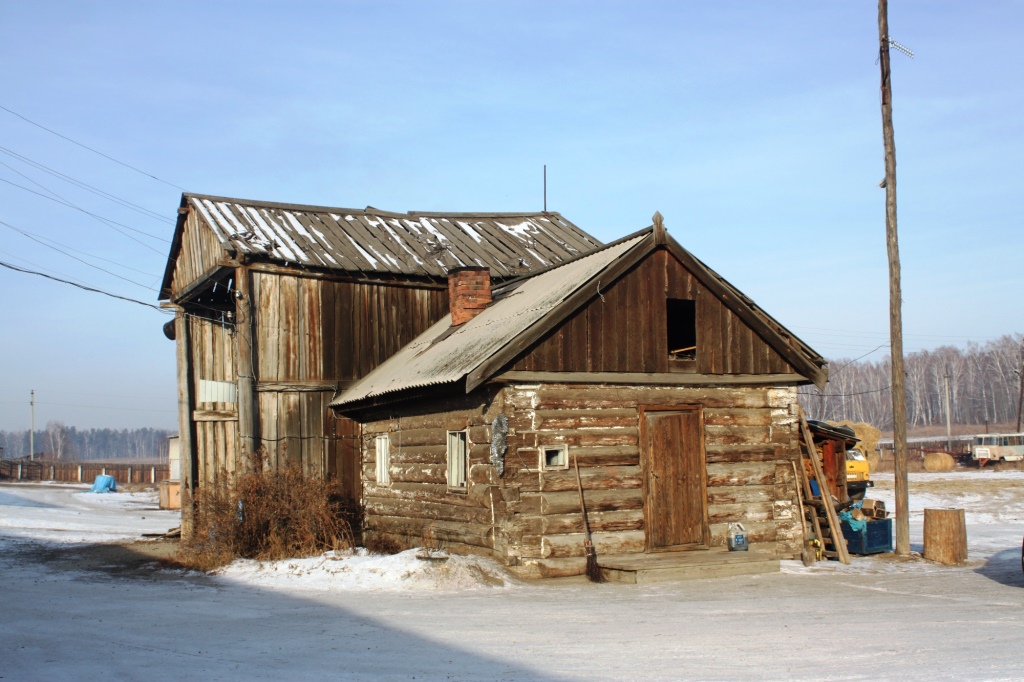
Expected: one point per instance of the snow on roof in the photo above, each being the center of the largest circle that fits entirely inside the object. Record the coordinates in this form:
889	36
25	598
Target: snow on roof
380	242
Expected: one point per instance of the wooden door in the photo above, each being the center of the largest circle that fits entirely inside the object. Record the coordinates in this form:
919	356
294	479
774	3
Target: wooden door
675	479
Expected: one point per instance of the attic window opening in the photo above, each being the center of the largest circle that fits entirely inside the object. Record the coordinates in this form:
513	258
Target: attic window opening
681	328
555	457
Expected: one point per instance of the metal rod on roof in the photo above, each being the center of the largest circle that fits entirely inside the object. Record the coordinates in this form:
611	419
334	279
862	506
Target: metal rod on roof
545	188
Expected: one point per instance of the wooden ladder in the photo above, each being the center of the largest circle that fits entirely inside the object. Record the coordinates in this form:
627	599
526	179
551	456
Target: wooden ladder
820	508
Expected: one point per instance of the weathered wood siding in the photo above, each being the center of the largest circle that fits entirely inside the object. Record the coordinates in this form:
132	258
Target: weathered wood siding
530	518
312	332
623	329
199	253
216	423
364	324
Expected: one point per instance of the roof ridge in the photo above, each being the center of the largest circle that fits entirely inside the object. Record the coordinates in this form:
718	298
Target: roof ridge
519	280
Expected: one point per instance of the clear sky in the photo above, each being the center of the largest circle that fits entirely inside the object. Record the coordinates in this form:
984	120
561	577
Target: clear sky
753	127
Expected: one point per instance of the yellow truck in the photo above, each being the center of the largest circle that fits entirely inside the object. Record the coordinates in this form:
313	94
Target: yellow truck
858	474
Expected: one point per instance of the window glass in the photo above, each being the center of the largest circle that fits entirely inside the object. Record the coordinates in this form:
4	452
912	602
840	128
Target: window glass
457	451
382	447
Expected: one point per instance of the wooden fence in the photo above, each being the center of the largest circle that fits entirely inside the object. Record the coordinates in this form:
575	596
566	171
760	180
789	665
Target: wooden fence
80	472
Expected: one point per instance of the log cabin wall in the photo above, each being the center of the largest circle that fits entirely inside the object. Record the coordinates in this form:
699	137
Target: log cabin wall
416	507
530	518
624	329
216	421
750	444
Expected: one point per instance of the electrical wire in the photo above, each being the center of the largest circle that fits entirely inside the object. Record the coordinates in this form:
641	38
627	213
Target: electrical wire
110	223
86	186
50	246
81	286
94	151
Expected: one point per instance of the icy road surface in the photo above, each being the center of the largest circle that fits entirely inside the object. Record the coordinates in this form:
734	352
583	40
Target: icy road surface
67	615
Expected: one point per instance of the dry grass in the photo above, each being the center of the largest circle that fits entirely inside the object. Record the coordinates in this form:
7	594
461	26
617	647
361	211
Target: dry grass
265	515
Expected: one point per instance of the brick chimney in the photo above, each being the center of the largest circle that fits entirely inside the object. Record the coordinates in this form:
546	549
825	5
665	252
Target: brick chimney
469	292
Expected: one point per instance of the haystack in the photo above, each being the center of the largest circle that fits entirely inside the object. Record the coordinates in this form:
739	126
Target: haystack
938	462
869	437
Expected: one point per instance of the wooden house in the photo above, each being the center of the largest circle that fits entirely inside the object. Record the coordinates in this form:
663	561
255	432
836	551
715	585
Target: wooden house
674	393
279	306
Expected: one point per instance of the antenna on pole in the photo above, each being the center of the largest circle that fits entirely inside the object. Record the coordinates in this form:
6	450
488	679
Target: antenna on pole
545	188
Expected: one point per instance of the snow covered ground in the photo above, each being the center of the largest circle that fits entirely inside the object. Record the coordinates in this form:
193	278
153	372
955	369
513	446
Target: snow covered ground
68	612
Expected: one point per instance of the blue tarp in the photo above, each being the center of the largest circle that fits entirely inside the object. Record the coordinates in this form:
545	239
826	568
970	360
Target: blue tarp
104	484
857	525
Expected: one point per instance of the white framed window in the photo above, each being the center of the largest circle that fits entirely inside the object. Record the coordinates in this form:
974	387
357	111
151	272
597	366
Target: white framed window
457	456
554	457
382	450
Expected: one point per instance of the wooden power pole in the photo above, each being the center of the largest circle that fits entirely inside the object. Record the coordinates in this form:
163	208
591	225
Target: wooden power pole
899	397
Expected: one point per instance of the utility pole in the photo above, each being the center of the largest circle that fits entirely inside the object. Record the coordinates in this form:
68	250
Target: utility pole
949	403
899	397
32	427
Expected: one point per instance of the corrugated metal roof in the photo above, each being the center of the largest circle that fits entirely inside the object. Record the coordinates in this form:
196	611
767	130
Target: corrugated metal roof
444	354
374	241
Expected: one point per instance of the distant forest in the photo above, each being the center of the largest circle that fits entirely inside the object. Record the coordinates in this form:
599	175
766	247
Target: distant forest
983	383
61	442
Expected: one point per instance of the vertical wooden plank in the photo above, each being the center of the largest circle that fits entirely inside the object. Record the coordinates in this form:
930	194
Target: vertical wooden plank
289	341
292	427
248	405
269	428
269	327
344	349
595	335
186	425
728	347
745	343
328	330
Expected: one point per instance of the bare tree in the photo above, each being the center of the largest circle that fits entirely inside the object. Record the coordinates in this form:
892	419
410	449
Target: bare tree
57	438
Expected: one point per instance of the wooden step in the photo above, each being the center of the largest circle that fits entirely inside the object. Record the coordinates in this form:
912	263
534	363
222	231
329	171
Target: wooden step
717	562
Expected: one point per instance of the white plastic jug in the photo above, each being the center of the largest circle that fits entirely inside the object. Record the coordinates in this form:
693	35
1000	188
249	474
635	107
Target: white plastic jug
737	539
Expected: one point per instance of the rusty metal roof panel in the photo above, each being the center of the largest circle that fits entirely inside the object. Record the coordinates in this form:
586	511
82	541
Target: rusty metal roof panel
443	355
380	242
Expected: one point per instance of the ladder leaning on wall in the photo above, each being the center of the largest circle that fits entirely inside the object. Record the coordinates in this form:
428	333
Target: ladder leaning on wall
820	509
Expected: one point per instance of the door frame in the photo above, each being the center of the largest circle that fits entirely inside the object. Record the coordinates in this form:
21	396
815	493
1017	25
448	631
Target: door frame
705	543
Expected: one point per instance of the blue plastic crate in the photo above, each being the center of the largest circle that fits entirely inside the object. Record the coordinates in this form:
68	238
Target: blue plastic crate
876	538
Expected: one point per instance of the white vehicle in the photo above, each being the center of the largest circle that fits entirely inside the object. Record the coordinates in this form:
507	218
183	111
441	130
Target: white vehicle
998	447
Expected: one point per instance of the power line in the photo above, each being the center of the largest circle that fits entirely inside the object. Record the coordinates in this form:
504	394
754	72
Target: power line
50	246
86	186
80	286
94	151
88	255
110	223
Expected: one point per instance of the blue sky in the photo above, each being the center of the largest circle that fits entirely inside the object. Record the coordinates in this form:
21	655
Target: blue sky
753	127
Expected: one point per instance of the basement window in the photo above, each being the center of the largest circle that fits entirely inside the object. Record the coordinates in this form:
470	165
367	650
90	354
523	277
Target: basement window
457	456
554	457
382	447
681	329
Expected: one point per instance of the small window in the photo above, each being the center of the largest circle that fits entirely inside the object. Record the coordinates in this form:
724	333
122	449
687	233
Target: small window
681	328
554	457
382	445
457	452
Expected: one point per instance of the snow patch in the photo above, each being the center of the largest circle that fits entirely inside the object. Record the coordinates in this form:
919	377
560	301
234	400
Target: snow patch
361	571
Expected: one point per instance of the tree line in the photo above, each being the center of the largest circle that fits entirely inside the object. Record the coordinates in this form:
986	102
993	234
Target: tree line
61	442
984	386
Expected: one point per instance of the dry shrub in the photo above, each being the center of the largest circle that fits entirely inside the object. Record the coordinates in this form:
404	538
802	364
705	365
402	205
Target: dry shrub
937	462
265	515
378	543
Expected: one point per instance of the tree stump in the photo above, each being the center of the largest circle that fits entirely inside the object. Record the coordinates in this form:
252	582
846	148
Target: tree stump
945	536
